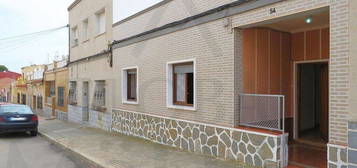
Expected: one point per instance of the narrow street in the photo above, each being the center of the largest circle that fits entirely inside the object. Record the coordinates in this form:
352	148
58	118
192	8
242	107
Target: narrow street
20	150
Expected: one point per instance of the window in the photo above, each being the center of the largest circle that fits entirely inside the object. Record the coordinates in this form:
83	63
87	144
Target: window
73	93
101	22
130	85
181	85
50	91
99	95
85	30
74	36
60	99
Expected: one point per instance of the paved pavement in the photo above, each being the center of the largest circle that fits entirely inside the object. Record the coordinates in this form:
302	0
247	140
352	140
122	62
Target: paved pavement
111	150
23	151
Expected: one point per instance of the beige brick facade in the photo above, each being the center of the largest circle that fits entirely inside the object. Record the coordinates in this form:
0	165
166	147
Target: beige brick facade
82	69
213	50
94	43
212	45
171	11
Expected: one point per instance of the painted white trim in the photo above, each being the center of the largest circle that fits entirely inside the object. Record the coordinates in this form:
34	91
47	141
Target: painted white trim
337	146
181	107
169	89
211	125
129	102
124	86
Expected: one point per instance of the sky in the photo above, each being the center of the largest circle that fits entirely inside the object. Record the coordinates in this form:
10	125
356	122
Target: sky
20	17
28	16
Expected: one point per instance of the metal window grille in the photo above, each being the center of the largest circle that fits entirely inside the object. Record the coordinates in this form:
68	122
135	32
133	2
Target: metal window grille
52	89
99	95
60	100
262	111
73	93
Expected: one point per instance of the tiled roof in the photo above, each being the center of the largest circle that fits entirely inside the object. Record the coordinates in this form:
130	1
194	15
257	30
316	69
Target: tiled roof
9	74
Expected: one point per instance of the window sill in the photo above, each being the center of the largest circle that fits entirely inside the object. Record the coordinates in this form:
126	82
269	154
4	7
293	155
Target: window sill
99	108
178	107
74	46
85	41
73	104
101	34
131	102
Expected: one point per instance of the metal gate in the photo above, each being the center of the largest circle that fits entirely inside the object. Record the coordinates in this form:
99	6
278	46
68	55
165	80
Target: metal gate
262	111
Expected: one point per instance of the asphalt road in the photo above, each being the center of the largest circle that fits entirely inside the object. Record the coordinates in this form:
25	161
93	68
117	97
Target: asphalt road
23	151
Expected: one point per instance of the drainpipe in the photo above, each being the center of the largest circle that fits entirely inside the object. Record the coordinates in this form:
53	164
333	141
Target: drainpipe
69	44
110	46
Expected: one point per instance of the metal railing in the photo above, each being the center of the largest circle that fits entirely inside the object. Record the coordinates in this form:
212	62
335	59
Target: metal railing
262	111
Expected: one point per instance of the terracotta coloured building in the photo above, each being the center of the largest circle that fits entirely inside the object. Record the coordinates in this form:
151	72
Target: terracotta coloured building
6	78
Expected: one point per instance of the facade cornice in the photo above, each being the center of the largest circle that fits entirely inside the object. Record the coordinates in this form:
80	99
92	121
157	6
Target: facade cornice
73	4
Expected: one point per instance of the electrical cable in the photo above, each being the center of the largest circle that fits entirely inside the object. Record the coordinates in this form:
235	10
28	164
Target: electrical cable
21	40
24	35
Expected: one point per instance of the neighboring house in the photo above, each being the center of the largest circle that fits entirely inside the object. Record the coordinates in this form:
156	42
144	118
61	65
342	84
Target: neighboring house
56	90
6	78
212	76
90	74
30	88
19	91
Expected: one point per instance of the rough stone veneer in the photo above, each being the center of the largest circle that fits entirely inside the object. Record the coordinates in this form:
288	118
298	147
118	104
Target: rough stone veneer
251	148
337	156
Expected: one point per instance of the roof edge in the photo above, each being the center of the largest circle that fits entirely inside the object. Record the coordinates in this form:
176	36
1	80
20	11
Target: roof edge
159	4
73	4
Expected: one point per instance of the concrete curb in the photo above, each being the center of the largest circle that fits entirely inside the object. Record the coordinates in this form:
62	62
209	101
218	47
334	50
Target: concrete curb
76	156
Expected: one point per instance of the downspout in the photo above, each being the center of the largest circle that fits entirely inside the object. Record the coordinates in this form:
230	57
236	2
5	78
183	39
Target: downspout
69	44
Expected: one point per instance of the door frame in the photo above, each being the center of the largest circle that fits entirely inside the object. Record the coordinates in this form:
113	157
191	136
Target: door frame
296	89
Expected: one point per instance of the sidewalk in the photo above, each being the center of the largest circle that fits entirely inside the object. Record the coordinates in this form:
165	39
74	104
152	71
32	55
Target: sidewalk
111	150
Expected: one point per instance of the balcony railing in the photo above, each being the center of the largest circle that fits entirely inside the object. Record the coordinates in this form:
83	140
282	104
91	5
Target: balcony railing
262	111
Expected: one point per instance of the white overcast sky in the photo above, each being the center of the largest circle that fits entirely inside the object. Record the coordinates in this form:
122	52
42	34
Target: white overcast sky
27	16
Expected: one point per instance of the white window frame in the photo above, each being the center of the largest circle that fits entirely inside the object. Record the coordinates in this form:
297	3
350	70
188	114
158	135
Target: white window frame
85	23
124	87
97	14
169	86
